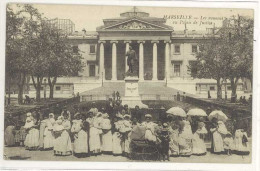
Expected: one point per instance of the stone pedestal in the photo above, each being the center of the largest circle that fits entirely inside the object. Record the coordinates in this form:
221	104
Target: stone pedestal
132	97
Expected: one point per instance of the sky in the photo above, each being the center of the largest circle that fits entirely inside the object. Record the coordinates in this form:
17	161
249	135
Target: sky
91	16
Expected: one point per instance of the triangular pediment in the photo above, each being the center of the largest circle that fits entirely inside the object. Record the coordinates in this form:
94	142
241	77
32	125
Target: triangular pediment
136	24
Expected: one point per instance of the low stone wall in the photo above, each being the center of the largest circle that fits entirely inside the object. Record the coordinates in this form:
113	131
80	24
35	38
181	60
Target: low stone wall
22	113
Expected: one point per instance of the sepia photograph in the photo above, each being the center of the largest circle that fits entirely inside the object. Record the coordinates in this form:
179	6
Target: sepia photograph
104	83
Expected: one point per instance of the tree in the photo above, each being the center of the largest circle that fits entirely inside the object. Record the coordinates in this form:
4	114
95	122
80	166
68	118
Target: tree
35	46
208	63
227	56
16	66
60	59
238	52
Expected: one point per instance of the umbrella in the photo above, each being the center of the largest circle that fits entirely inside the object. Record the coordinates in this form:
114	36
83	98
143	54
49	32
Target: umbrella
196	112
177	111
219	115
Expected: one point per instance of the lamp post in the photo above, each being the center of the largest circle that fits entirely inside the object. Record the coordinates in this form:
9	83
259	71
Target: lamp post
45	88
225	89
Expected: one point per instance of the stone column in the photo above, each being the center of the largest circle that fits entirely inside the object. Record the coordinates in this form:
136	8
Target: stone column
114	58
126	49
167	59
155	77
141	60
101	60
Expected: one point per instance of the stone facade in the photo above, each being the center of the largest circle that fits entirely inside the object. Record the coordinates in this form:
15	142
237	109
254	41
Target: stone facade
163	54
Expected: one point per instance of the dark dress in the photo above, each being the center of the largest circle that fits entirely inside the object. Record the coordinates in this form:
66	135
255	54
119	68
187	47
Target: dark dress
136	113
165	140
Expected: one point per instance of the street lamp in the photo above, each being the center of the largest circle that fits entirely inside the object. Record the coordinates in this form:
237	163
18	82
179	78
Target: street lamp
45	88
225	89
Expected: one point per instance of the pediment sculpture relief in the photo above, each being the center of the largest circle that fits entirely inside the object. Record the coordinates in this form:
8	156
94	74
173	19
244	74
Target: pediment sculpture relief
134	26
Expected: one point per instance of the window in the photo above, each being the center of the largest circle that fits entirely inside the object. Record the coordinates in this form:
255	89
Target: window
177	49
177	70
75	49
92	70
92	49
194	49
58	88
193	68
41	88
212	88
229	88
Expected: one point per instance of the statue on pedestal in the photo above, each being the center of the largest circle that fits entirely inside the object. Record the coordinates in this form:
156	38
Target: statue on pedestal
132	62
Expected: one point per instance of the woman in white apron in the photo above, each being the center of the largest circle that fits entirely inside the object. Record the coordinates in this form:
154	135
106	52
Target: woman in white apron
107	141
48	133
62	142
94	135
80	137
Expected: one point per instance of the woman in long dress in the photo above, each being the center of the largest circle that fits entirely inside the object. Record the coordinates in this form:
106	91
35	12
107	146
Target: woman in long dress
107	135
128	128
198	144
62	142
117	137
150	134
185	139
241	145
48	133
94	134
174	128
80	137
218	131
32	138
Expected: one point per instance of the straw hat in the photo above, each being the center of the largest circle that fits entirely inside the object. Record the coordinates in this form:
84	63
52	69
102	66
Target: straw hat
76	114
127	116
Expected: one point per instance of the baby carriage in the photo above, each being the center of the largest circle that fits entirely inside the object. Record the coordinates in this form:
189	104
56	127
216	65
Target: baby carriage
140	148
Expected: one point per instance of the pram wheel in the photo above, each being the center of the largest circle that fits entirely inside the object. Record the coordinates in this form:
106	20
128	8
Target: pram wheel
150	153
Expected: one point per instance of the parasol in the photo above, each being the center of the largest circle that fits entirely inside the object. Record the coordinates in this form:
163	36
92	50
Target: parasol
177	111
196	112
219	115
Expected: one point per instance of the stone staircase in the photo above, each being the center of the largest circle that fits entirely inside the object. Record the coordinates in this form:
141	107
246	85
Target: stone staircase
147	91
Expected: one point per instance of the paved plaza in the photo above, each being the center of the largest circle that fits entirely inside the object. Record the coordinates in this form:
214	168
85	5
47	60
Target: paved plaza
19	153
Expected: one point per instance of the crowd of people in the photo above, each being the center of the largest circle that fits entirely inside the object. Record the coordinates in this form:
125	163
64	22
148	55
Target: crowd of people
108	131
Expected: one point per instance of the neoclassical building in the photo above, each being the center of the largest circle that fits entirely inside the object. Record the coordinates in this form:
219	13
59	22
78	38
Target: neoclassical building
163	55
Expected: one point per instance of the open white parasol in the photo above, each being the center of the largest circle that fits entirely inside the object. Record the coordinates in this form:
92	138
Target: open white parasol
219	115
176	111
196	112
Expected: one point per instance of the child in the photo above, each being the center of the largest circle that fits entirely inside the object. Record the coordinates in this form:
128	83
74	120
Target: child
165	140
17	136
22	135
228	143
